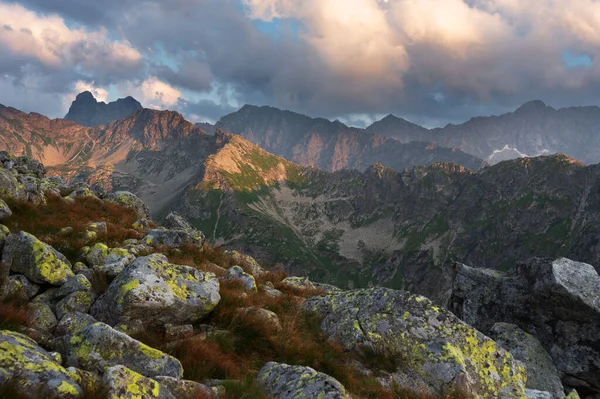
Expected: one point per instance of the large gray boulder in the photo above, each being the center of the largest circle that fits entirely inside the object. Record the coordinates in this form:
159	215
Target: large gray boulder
33	371
38	261
174	238
109	261
10	187
556	301
157	292
98	346
176	222
236	273
130	200
434	352
123	383
542	374
282	381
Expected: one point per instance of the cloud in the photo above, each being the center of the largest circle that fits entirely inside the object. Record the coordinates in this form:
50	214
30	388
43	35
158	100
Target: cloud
152	93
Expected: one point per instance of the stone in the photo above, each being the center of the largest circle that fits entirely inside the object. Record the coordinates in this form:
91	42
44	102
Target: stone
299	283
236	273
556	301
157	292
174	238
435	352
10	187
42	318
4	233
78	301
34	370
73	322
108	261
270	290
282	381
123	383
31	289
38	261
185	388
542	374
248	263
176	222
98	346
130	200
90	382
5	211
81	192
176	333
264	316
76	283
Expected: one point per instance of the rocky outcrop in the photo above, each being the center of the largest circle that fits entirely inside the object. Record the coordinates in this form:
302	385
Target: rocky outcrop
156	292
175	238
109	261
236	273
98	346
434	352
32	371
38	261
130	200
556	301
87	111
282	381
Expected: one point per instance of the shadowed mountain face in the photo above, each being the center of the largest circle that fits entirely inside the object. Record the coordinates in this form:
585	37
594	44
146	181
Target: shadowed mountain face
333	146
533	129
87	111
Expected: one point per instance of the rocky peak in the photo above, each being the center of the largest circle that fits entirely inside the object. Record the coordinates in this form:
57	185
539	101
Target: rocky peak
534	106
87	111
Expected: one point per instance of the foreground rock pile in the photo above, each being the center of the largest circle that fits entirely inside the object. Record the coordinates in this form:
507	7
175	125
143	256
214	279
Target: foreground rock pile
81	338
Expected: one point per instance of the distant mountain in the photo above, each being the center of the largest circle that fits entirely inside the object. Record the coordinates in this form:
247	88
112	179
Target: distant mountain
333	146
533	129
207	127
87	111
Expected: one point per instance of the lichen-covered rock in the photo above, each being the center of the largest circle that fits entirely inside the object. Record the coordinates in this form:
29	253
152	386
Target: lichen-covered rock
141	224
93	230
556	301
157	292
34	369
303	283
90	382
109	261
13	289
436	353
78	301
185	388
270	290
4	233
263	315
236	273
542	374
98	346
76	283
174	238
124	383
130	200
38	261
176	222
31	289
81	192
10	187
248	263
72	322
282	381
41	318
5	211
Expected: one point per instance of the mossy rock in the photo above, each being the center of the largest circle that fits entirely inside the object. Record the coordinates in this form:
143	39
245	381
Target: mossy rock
109	261
433	351
130	200
123	383
33	369
38	261
157	292
283	381
98	346
236	273
5	211
78	301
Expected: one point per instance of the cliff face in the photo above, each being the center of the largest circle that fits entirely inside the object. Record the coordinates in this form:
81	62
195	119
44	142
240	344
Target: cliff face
87	111
333	146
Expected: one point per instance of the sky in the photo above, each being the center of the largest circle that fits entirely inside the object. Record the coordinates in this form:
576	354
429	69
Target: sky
432	62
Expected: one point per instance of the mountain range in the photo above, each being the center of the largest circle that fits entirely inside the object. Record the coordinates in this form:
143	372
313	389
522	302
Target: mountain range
373	225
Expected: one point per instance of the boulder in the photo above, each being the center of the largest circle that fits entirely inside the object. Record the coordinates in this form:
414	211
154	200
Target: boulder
542	374
5	211
73	322
556	301
109	261
98	346
123	383
4	233
185	388
10	187
81	192
34	371
31	289
78	301
270	290
248	263
76	283
236	273
157	292
90	382
282	381
177	222
174	238
434	352
38	261
93	230
303	283
176	333
41	318
130	200
265	316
